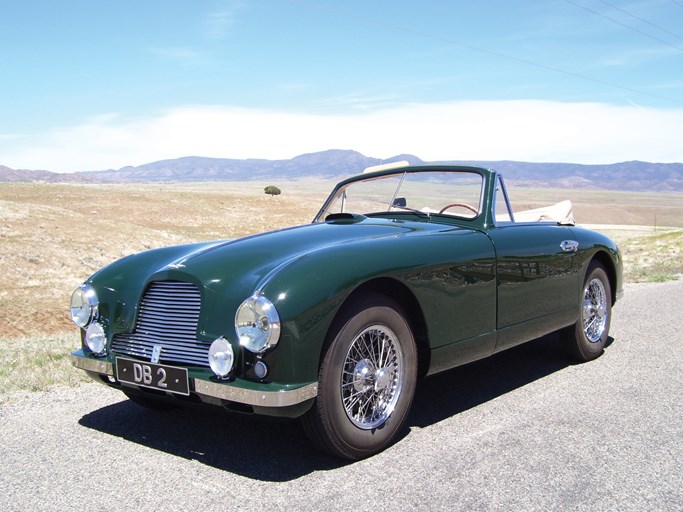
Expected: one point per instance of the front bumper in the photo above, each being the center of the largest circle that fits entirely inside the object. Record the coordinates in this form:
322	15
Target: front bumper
209	391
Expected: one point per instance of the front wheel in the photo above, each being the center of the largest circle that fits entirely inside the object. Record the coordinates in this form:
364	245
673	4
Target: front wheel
366	381
586	339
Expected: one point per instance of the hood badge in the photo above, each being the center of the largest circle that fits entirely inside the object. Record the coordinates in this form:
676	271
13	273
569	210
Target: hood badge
156	353
175	266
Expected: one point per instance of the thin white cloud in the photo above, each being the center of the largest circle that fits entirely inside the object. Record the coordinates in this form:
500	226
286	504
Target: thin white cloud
178	53
636	57
468	130
218	23
676	84
361	102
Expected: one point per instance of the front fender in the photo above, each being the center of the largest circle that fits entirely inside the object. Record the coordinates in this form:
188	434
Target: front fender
439	269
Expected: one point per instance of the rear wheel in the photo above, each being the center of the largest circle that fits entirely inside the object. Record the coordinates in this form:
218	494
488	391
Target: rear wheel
586	339
366	381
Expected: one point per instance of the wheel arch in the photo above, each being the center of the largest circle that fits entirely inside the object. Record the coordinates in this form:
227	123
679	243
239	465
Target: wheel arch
399	293
608	264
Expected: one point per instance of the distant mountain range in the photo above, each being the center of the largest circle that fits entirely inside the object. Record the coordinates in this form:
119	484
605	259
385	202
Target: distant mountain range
337	164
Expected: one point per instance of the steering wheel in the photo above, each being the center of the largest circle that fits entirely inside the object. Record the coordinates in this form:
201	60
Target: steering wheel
464	205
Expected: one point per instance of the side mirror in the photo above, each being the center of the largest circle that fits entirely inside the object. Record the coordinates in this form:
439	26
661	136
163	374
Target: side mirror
399	202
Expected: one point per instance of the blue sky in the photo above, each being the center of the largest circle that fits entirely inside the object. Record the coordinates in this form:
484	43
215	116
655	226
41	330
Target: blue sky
94	85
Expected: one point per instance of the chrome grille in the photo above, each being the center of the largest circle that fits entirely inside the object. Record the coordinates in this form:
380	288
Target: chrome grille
168	316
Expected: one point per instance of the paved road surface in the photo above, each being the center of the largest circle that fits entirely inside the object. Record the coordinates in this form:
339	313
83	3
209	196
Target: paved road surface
525	430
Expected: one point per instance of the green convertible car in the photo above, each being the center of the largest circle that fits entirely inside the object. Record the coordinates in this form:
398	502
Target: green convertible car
404	272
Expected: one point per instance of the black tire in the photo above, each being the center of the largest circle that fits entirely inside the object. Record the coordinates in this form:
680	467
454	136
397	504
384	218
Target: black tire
153	404
363	402
586	339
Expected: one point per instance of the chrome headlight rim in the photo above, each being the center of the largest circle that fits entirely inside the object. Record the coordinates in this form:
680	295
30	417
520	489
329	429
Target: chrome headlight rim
84	306
257	324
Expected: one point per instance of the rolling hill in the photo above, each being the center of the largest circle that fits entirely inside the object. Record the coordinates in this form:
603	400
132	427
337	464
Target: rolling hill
336	164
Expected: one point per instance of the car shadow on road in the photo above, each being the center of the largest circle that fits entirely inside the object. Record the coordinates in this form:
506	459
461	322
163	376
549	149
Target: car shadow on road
278	450
446	394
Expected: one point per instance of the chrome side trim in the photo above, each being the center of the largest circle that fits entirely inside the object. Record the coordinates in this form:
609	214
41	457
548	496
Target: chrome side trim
220	391
92	365
254	397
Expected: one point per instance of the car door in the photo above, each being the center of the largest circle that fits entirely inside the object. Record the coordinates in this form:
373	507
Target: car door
537	280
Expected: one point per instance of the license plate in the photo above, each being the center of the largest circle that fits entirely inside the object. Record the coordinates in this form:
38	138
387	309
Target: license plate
154	376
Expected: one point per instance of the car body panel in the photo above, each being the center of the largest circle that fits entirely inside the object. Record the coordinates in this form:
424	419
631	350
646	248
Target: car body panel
454	283
534	273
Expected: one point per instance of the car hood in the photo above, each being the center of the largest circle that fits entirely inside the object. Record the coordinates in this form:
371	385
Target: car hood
244	262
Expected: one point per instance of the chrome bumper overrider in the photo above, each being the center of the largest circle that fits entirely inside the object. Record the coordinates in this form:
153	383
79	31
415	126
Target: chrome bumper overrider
216	390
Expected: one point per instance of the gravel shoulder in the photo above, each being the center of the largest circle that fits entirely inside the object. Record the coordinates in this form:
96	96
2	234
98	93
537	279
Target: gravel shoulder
524	430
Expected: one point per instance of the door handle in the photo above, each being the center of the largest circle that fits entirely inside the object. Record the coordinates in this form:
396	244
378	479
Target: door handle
569	246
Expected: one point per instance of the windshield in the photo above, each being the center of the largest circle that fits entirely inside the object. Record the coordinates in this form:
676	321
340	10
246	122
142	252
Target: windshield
456	194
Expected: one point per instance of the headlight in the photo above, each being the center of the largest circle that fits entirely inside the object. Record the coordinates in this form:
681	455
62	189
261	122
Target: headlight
95	338
221	357
83	305
257	324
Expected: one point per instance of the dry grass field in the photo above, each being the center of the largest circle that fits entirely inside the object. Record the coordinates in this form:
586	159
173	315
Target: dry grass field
53	236
648	209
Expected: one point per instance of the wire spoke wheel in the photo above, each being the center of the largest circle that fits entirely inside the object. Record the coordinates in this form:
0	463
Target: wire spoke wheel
594	310
586	339
367	379
372	377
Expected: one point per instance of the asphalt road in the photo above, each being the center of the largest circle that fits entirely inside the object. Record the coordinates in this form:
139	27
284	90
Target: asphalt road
524	430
